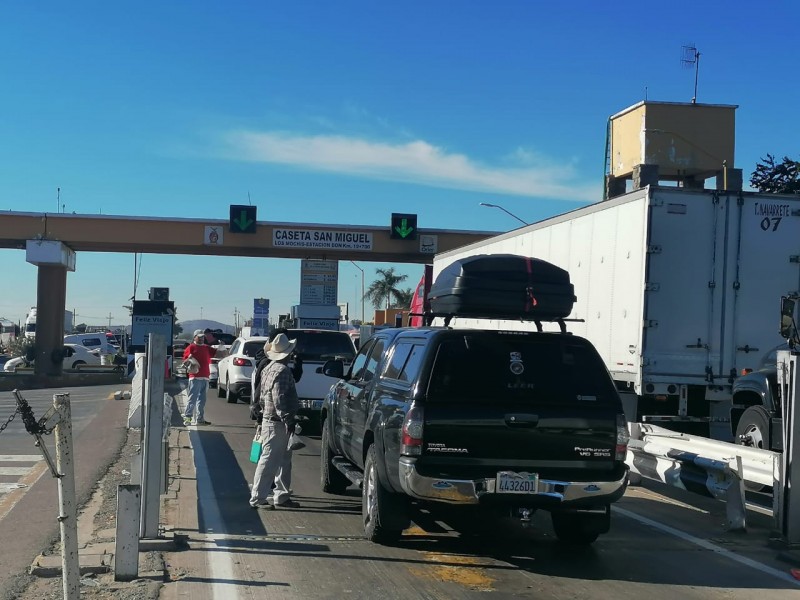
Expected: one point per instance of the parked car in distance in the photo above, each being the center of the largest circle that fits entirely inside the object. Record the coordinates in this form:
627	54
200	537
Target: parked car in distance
235	370
75	356
91	341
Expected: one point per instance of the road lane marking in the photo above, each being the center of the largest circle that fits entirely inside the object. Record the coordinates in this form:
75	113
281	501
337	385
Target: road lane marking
14	470
708	546
9	501
20	457
220	565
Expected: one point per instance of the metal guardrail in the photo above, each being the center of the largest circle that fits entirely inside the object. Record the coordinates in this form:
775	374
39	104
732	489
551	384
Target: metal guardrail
700	465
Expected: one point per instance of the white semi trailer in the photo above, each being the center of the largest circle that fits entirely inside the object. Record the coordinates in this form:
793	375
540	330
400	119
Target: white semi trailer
677	289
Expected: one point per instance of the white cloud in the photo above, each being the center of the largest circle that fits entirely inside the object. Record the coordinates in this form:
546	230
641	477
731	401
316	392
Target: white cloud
414	162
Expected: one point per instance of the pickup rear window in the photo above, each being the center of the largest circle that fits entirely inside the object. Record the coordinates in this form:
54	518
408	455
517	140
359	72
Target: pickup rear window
322	345
539	369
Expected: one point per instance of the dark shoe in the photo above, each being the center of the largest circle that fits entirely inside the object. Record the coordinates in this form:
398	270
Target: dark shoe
202	422
259	503
287	504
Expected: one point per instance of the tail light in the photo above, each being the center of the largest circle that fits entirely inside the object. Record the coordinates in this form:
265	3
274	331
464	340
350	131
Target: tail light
413	427
623	437
746	371
242	362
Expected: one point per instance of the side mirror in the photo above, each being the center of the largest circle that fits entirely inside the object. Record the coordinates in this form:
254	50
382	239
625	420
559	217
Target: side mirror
333	368
788	328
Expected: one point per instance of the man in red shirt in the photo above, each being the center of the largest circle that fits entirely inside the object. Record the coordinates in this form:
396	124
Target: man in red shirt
202	352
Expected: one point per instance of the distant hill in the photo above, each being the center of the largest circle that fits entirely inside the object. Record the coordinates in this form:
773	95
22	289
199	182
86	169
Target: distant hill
190	326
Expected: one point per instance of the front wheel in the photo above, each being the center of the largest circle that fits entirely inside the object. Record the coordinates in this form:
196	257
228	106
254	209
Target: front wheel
384	514
78	363
754	431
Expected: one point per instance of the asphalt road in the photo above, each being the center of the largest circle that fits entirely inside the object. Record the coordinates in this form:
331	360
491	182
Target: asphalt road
663	543
28	492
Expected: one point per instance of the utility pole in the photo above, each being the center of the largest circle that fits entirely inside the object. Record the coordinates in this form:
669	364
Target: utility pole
109	321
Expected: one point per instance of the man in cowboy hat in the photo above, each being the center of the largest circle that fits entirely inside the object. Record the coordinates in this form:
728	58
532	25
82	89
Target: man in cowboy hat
280	402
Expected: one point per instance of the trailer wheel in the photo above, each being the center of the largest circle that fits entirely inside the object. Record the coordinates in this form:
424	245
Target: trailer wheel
754	431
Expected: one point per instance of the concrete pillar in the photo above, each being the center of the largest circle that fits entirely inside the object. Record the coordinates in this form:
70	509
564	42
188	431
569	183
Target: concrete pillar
644	175
51	298
54	259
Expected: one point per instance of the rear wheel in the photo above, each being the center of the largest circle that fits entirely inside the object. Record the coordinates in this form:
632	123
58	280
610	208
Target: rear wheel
580	529
332	480
384	514
78	363
754	431
232	396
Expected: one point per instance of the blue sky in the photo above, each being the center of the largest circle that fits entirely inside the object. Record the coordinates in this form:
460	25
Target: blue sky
344	112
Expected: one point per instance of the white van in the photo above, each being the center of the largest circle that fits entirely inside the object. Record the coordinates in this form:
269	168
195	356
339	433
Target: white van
30	323
91	341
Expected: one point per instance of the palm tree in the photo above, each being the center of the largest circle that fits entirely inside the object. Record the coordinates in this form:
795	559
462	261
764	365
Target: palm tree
384	289
404	298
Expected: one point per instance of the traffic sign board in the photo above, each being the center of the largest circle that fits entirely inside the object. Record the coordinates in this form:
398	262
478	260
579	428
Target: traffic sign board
404	227
243	218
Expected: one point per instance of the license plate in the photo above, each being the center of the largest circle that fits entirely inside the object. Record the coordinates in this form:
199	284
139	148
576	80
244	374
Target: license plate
509	482
316	405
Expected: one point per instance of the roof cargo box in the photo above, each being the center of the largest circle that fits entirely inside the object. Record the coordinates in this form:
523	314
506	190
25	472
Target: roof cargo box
503	286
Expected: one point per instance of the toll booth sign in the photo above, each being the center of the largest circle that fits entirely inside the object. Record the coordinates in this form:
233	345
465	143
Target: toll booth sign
243	218
404	227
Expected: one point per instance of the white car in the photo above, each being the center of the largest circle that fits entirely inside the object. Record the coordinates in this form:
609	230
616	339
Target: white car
74	357
315	347
236	369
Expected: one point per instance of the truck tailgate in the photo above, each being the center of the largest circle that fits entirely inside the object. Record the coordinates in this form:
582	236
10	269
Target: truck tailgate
491	437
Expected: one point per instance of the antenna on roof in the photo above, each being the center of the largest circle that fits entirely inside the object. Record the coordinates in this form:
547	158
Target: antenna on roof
691	58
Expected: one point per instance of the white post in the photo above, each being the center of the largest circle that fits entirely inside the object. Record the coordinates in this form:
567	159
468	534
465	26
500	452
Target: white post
68	510
789	381
126	548
152	448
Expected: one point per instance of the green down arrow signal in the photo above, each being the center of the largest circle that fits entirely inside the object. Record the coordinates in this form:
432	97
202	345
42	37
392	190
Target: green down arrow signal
404	230
243	222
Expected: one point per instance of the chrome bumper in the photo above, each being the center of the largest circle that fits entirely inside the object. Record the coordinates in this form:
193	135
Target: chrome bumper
470	491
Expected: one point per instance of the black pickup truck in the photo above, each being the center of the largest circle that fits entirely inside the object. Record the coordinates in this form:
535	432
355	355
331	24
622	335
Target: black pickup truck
502	420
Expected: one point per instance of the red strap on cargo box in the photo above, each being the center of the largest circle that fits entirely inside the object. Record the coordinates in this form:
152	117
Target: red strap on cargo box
530	299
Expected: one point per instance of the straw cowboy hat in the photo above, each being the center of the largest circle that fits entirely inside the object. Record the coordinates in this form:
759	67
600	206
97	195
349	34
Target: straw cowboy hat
281	347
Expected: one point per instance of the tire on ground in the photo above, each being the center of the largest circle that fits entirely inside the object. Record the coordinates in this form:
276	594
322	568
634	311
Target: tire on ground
332	480
232	396
383	513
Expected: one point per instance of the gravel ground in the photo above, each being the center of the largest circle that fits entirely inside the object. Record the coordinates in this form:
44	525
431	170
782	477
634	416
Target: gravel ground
151	564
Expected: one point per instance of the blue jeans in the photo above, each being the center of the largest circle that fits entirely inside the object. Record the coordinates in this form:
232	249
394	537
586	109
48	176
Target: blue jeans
198	389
